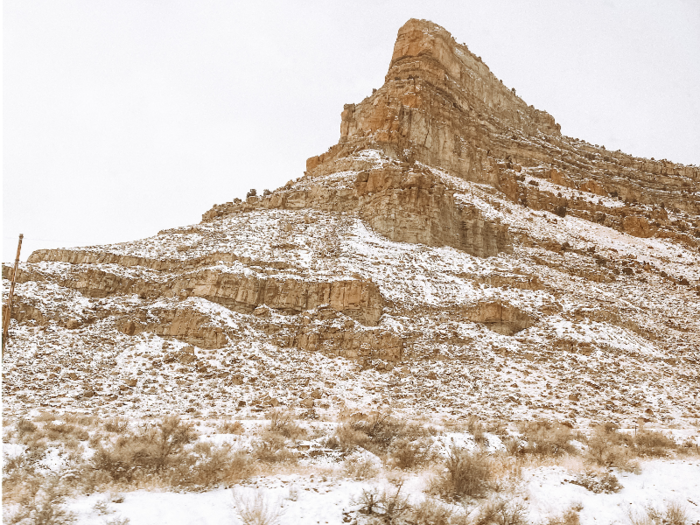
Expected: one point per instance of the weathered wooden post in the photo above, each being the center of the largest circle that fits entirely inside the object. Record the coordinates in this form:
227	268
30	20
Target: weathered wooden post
8	307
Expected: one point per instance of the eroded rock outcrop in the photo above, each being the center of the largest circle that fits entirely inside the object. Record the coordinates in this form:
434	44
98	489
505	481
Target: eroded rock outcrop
501	318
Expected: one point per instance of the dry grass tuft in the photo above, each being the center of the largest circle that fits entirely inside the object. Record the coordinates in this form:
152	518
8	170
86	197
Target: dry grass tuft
283	422
569	517
359	468
467	475
434	512
231	427
256	509
673	514
116	425
501	512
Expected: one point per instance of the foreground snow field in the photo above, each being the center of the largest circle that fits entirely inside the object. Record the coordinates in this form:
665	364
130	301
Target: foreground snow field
299	469
544	490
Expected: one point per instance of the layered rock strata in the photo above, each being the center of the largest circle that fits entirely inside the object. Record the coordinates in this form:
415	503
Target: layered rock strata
454	252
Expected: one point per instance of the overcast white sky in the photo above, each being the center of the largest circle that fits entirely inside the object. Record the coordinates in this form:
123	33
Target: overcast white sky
124	117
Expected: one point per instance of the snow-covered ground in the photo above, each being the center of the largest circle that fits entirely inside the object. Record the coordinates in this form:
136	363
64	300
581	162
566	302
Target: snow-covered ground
544	492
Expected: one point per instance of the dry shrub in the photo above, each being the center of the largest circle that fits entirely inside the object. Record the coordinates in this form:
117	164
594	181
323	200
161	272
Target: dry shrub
359	468
209	465
569	517
45	416
649	443
25	427
272	448
609	448
673	514
543	438
151	449
375	432
467	475
476	428
501	512
230	427
390	507
347	439
256	509
405	453
283	422
44	506
433	512
116	425
64	431
598	483
82	420
159	454
368	501
394	506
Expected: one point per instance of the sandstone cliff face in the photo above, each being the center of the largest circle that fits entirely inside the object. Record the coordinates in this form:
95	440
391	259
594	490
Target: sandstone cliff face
442	106
452	242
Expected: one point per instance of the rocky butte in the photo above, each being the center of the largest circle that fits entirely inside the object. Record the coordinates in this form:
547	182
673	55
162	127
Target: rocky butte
453	253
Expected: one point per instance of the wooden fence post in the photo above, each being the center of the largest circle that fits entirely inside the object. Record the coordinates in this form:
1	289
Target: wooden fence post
8	307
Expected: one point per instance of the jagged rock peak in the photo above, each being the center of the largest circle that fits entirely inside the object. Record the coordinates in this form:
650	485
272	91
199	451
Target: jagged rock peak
426	50
440	104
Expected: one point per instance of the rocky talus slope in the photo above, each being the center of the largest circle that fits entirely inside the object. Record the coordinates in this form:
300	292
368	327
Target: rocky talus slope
453	253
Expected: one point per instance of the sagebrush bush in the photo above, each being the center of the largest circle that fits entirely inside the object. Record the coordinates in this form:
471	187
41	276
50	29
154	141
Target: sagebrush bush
433	512
501	512
359	468
150	449
377	432
405	453
569	517
609	448
271	447
209	465
543	438
231	427
467	475
649	443
391	507
116	425
284	422
43	506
